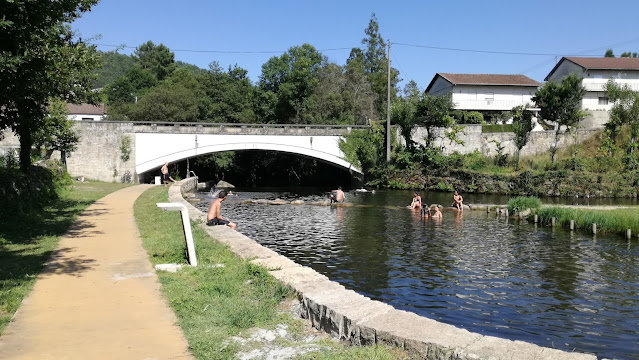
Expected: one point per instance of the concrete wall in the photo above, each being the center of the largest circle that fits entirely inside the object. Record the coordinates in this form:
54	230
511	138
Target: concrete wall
475	139
98	155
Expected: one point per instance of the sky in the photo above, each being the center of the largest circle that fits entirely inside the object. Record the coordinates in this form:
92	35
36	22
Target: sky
427	37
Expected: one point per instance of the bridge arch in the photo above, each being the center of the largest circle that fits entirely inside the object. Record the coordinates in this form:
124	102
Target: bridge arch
152	150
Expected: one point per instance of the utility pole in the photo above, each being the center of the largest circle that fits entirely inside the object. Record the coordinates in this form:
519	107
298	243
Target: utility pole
388	126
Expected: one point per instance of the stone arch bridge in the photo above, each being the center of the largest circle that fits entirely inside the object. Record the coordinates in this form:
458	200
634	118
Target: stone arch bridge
105	145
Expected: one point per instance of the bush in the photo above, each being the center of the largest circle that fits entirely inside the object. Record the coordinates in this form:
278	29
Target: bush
473	117
522	203
475	161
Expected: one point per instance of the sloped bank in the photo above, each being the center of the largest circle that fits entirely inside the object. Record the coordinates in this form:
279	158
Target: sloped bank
359	320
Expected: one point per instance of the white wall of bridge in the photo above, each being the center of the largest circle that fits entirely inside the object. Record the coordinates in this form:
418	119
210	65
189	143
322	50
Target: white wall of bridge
153	150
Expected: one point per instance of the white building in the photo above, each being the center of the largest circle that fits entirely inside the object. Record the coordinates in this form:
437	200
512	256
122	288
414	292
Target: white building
595	73
485	93
86	112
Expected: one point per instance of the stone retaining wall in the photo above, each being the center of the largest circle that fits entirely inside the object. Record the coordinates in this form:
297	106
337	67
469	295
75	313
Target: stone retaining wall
359	320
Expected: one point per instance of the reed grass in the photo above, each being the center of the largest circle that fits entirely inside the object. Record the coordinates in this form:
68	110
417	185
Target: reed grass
608	221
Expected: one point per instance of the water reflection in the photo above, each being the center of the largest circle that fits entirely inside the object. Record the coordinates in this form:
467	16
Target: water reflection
473	269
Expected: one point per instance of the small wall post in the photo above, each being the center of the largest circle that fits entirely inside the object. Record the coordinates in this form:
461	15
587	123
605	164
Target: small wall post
186	225
572	224
536	218
628	233
594	229
552	221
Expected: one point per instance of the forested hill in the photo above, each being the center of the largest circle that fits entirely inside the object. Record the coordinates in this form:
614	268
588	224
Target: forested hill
115	65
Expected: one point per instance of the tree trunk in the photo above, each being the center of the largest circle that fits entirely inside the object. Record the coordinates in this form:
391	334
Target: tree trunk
25	148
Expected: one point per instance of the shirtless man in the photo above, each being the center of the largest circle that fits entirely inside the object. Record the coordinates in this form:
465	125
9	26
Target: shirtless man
458	201
417	201
214	217
165	173
338	195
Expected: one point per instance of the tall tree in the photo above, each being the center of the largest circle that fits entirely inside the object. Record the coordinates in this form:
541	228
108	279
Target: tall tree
560	105
404	114
522	126
293	78
358	89
157	58
57	134
39	60
232	94
624	112
376	65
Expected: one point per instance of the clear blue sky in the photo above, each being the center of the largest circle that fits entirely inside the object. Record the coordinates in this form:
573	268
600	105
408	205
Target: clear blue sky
234	32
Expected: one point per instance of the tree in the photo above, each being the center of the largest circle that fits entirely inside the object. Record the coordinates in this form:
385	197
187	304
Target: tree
624	112
629	54
522	126
232	94
609	53
434	112
376	65
364	148
157	58
411	90
57	133
114	65
293	78
39	60
126	89
358	89
560	103
403	114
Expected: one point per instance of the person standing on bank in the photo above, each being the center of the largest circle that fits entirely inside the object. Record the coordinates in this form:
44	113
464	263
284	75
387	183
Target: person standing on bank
165	173
214	217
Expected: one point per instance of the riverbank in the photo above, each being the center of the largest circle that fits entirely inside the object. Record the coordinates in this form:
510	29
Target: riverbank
29	235
359	320
229	306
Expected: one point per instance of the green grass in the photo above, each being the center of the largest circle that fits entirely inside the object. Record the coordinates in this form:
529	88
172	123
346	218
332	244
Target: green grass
521	203
214	303
608	221
495	128
27	240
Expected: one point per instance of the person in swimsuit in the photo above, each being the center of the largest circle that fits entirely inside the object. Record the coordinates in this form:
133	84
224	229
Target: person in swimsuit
458	201
214	216
337	195
165	173
437	215
417	201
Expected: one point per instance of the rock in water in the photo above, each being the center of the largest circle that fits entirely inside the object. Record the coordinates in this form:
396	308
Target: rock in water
224	184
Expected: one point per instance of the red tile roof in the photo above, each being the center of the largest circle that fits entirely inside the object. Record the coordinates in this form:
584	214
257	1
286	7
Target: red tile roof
599	63
486	79
86	109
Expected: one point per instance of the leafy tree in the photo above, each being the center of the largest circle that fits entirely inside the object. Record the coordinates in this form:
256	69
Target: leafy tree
434	112
127	88
376	65
180	98
522	126
39	60
624	112
232	94
561	103
358	89
157	58
411	90
609	53
365	148
293	78
629	54
57	134
404	114
331	102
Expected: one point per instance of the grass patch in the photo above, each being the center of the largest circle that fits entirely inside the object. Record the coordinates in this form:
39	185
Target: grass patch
28	238
496	128
522	203
214	303
608	221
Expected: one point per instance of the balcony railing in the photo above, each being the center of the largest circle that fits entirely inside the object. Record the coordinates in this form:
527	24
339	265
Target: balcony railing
489	104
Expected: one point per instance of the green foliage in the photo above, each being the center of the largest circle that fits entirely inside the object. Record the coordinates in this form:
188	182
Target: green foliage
473	117
43	60
522	126
128	88
496	128
114	65
57	133
156	58
125	148
561	103
623	114
501	159
522	203
364	148
609	53
403	113
608	221
434	112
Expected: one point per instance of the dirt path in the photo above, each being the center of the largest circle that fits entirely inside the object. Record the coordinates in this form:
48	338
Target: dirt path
98	297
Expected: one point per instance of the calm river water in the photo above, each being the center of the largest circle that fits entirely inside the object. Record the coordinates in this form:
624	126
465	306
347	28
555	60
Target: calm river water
486	274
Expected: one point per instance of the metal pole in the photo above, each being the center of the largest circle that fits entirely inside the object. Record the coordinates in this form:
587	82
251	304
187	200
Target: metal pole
388	126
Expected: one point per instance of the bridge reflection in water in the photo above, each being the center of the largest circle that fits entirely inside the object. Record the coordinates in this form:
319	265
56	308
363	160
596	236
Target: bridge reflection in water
475	271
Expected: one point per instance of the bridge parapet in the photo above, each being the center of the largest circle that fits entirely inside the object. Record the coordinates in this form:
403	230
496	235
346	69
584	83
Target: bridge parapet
243	129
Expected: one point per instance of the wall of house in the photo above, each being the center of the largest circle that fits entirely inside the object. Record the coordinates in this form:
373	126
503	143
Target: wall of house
564	69
440	87
90	117
501	98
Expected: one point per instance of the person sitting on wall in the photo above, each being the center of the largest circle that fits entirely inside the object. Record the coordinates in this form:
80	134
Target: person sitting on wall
214	216
458	201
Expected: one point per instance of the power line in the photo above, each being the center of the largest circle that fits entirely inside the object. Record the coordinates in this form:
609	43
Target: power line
223	51
482	51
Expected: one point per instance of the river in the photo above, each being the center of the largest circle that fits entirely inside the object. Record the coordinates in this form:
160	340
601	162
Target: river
499	277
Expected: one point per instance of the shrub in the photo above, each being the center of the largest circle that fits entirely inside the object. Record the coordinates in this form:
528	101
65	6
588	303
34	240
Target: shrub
521	203
473	117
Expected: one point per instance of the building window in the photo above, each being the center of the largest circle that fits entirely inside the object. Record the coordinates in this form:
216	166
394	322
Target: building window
603	100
